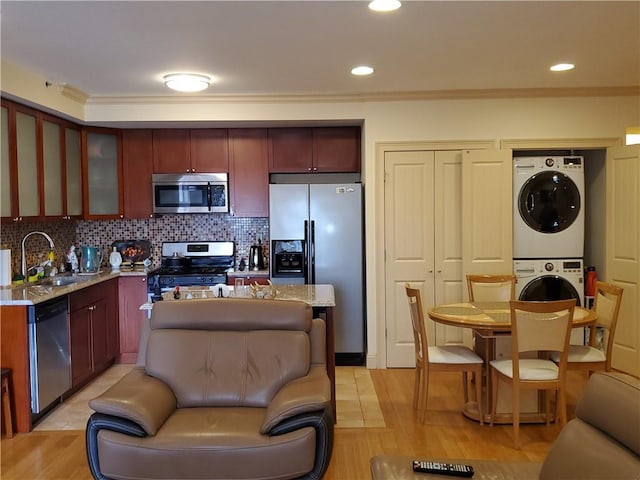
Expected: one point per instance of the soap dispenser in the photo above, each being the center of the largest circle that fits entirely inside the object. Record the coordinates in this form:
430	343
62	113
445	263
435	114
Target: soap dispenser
115	259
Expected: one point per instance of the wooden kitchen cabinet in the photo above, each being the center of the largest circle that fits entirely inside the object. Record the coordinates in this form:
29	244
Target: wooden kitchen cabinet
203	150
290	150
249	172
137	165
336	149
93	330
209	150
314	150
6	188
132	294
102	172
62	171
41	168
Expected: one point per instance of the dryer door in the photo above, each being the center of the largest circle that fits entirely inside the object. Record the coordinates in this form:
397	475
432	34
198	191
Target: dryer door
549	287
549	202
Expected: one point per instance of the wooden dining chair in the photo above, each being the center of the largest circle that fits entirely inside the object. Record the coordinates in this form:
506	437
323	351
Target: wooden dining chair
589	357
540	327
491	288
446	358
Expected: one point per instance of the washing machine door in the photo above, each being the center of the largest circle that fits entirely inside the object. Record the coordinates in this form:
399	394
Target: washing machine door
549	288
549	202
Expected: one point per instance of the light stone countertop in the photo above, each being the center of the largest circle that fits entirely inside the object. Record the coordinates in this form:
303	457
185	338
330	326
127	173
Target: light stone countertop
32	294
321	295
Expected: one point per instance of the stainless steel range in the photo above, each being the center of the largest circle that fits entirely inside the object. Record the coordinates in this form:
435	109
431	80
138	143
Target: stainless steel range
186	264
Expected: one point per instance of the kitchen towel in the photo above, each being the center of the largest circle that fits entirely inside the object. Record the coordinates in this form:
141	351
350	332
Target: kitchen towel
5	267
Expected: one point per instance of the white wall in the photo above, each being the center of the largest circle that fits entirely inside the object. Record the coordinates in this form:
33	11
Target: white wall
384	121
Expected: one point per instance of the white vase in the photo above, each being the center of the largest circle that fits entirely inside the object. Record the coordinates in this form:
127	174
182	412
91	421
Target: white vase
115	259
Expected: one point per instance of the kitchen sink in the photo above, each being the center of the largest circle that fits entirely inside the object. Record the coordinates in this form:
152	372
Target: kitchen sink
59	281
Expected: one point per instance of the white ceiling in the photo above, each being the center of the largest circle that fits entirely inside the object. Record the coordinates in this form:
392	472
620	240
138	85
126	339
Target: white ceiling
123	48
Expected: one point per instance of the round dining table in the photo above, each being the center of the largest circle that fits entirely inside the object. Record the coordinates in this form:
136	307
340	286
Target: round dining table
493	316
491	320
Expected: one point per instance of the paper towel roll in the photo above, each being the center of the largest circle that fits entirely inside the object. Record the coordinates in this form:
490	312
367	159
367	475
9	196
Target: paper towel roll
5	267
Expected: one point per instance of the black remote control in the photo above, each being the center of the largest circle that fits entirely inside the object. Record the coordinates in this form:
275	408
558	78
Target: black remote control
450	469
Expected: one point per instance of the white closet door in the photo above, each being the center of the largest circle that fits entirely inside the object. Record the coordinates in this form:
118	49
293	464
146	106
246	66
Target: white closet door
409	221
487	218
448	242
623	251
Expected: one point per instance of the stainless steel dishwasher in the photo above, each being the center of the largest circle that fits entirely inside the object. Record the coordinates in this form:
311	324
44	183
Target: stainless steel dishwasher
49	353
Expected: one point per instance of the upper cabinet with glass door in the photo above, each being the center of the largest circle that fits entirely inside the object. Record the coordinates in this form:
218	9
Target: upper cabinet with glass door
6	190
102	162
20	173
62	169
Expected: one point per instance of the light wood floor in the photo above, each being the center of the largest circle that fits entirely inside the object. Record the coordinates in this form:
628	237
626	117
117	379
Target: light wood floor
392	430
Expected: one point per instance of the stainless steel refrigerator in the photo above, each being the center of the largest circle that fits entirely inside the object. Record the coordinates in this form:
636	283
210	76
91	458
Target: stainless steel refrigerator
328	219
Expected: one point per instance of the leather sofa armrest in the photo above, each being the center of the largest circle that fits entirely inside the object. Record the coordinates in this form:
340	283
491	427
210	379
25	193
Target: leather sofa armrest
138	397
306	394
98	422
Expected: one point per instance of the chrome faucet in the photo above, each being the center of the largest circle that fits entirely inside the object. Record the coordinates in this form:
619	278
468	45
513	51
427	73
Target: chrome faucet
24	258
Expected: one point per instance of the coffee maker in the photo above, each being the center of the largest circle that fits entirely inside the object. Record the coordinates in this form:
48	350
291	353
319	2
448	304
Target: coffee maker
256	257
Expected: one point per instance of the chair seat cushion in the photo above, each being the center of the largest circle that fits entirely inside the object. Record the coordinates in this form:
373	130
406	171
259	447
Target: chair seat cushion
581	353
530	368
453	354
193	439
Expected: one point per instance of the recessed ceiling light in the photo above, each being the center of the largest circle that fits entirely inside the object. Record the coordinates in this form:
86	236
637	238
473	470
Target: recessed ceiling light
562	67
362	70
384	5
187	82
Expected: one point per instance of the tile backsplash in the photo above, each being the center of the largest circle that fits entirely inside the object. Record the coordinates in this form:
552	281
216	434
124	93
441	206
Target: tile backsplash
101	233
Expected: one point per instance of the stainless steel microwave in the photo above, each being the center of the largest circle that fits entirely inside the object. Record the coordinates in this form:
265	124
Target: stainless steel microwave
190	193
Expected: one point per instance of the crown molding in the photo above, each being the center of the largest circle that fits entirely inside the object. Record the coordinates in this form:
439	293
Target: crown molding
372	97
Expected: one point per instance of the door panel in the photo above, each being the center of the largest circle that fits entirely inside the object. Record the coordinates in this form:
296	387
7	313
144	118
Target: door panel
487	220
448	241
409	218
623	251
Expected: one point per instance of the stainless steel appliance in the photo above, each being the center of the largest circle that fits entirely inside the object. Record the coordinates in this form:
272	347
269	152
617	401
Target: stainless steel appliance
191	263
190	193
49	355
325	221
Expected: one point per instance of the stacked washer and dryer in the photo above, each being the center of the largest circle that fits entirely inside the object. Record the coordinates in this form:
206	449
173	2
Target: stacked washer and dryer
548	229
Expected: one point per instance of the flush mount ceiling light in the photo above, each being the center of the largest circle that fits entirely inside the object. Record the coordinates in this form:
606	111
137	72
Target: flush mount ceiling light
384	5
562	67
187	82
362	70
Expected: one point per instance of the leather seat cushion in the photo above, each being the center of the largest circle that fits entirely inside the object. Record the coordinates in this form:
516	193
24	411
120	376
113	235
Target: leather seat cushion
194	439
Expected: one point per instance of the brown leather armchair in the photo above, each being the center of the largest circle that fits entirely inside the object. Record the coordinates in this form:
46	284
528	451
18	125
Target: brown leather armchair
230	389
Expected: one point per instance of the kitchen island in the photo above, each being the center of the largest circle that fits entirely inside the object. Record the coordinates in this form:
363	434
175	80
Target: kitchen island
320	297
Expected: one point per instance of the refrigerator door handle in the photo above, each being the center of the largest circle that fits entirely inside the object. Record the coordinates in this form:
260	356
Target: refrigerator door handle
312	255
306	252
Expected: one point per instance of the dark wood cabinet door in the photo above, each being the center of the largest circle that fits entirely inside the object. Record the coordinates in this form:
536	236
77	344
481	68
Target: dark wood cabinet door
249	172
80	337
290	150
137	164
209	150
171	151
132	294
99	335
336	149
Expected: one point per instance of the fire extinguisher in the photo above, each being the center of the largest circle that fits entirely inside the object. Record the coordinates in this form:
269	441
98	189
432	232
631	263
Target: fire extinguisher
590	284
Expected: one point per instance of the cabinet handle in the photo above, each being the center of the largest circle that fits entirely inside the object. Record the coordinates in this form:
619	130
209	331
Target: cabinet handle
144	279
